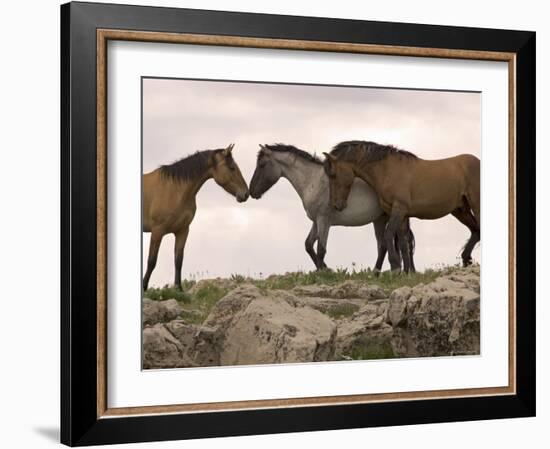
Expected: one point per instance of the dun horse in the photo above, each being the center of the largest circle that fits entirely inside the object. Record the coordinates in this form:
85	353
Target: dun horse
408	186
305	173
169	199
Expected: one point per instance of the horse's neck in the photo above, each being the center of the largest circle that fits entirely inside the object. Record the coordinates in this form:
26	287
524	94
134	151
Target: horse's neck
372	173
191	187
302	175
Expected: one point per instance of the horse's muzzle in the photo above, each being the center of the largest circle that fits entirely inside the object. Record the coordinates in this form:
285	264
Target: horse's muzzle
242	197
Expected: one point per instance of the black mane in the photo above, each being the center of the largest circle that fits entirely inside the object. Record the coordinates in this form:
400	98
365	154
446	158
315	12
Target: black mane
367	151
189	167
283	148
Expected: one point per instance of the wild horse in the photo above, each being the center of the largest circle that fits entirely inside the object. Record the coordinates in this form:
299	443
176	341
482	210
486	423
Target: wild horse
305	173
169	199
408	186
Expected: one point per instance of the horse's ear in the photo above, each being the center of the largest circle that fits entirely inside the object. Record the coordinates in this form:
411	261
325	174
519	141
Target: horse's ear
329	157
228	150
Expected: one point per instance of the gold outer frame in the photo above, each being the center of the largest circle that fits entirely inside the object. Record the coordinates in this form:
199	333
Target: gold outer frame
104	35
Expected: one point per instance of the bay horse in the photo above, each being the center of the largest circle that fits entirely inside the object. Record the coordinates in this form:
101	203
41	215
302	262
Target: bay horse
169	199
305	173
408	186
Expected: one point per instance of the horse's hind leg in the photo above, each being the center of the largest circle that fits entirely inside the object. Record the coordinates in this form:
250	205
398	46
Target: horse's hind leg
379	228
464	215
409	236
310	241
403	242
392	228
322	227
154	245
181	238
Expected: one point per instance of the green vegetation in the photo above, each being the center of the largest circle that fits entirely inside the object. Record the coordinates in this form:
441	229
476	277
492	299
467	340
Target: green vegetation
386	280
342	310
196	303
382	350
166	292
197	300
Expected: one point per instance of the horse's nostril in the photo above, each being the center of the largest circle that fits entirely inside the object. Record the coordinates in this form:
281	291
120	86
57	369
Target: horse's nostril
242	197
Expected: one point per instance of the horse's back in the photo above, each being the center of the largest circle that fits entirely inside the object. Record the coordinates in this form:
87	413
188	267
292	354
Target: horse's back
468	161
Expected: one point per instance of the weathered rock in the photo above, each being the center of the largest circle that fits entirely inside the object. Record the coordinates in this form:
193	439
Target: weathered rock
357	289
345	290
440	318
317	323
366	332
162	350
202	344
259	329
230	305
330	306
397	306
159	311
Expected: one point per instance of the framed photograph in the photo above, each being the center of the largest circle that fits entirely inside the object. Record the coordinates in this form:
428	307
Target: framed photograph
281	224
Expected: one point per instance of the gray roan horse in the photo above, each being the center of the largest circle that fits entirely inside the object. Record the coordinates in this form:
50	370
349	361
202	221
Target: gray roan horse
306	174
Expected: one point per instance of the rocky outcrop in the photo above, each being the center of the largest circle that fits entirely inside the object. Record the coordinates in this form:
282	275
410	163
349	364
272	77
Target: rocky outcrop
365	333
437	319
159	311
271	329
162	350
350	320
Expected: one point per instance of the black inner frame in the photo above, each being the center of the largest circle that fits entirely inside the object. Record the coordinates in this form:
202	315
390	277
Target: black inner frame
79	422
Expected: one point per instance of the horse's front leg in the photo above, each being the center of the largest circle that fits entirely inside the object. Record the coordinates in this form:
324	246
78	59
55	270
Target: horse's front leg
403	241
393	226
310	241
323	227
154	245
379	228
181	238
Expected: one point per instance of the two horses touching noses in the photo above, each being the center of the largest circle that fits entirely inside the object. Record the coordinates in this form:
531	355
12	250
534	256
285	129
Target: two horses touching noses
358	183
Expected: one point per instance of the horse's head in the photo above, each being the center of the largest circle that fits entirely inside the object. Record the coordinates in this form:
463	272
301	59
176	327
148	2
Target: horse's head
267	172
340	174
227	174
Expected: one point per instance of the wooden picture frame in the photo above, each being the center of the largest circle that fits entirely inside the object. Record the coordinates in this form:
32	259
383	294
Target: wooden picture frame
86	29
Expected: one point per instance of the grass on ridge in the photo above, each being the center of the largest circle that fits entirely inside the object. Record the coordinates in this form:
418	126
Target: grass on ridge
386	280
198	303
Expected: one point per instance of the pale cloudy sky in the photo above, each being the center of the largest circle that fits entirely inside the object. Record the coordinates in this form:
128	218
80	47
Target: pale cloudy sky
267	235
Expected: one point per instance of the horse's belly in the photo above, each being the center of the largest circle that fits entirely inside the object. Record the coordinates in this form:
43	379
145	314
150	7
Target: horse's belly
362	208
434	209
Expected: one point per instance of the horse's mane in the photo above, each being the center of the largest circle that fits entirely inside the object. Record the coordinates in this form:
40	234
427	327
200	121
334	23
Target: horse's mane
283	148
363	151
189	167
